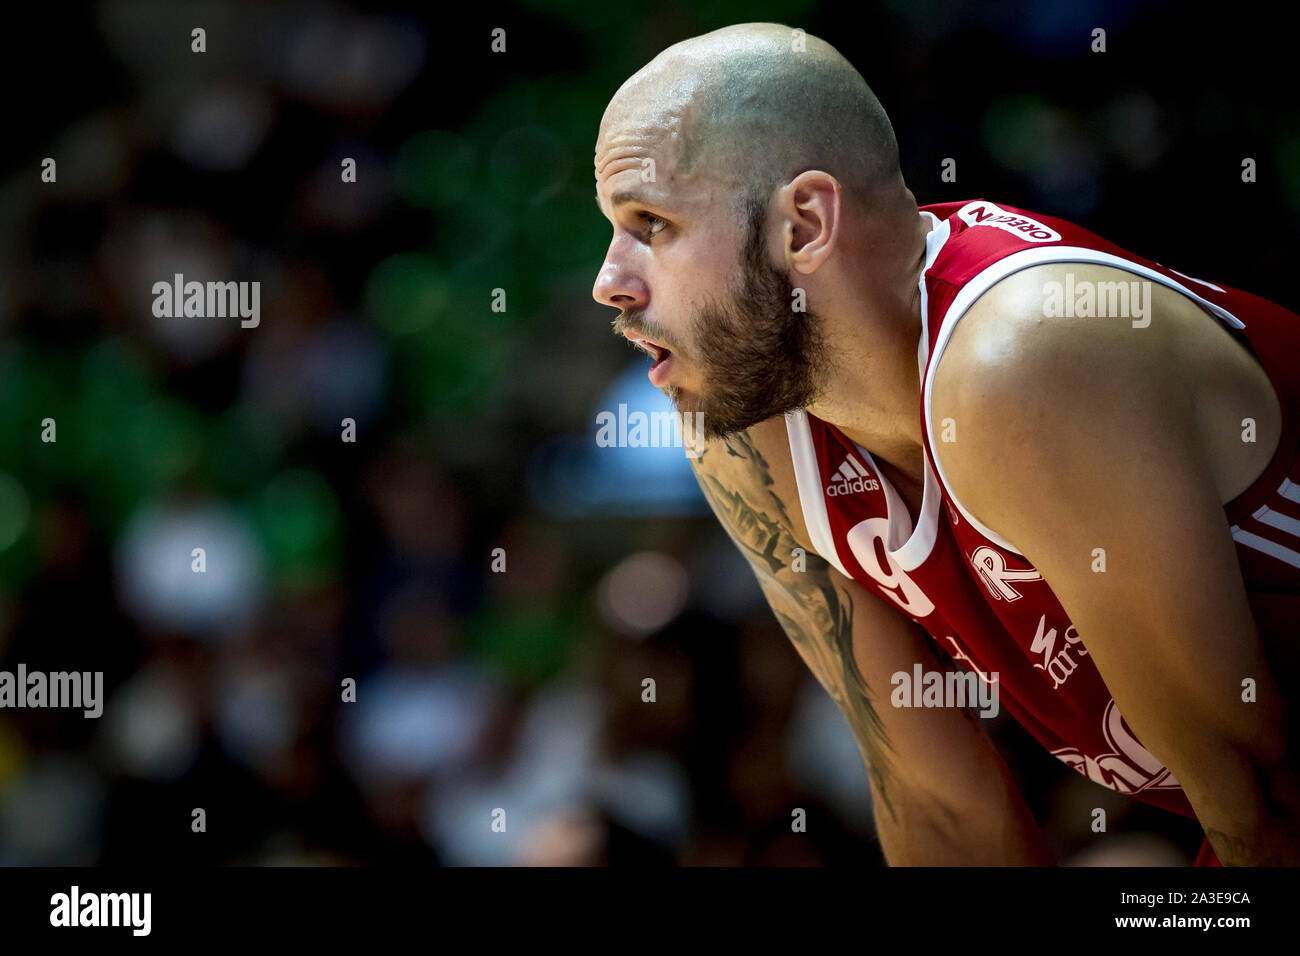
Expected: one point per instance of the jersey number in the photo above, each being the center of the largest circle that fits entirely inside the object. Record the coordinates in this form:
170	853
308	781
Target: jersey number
868	543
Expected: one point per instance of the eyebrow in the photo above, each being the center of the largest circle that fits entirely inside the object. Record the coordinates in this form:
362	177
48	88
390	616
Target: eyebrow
620	198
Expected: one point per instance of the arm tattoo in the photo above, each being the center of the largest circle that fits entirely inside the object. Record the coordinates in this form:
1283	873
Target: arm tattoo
818	622
1230	850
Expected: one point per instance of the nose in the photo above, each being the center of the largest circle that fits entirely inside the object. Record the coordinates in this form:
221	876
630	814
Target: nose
620	287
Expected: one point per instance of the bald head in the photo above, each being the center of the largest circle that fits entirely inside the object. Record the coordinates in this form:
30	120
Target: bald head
731	166
755	104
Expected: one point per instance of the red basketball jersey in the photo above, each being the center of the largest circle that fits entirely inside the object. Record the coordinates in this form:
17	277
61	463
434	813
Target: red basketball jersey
971	589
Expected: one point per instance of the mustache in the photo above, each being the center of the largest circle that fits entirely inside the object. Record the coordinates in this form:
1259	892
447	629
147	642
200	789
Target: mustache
638	323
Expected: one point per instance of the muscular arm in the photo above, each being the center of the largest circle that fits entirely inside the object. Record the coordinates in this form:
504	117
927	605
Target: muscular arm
1078	442
942	794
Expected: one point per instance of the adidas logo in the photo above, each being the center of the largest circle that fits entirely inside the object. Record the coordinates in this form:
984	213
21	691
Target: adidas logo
851	478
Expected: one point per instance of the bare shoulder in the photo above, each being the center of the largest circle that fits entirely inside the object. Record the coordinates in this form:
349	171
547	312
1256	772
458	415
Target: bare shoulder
1038	323
1014	370
1064	352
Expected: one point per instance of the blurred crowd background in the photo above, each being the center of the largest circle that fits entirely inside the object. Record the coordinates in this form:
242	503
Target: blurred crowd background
475	429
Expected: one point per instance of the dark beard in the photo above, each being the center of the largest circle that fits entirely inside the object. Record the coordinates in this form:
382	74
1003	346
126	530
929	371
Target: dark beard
759	357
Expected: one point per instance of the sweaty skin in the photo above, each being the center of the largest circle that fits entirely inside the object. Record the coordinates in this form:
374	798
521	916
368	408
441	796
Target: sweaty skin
703	112
751	169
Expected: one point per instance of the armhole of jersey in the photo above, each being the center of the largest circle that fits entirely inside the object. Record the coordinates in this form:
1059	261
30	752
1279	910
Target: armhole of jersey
919	545
808	478
999	270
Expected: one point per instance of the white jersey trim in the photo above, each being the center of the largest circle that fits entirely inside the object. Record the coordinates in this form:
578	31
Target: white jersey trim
809	480
920	540
913	552
982	281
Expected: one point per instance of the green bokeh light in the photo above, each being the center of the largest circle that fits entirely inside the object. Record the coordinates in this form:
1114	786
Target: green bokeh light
245	447
163	440
434	169
528	165
1288	162
406	292
15	510
1020	131
298	516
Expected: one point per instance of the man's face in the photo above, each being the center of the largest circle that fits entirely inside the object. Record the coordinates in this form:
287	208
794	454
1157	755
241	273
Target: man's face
698	293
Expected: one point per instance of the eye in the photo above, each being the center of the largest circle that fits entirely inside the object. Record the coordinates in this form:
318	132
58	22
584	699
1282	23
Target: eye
653	223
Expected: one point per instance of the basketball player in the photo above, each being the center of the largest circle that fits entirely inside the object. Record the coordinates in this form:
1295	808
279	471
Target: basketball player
942	437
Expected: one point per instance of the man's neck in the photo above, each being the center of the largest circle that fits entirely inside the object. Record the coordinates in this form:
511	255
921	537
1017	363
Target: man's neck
873	389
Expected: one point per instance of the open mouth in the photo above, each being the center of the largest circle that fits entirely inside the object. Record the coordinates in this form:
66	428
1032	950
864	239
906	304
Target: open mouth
661	356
